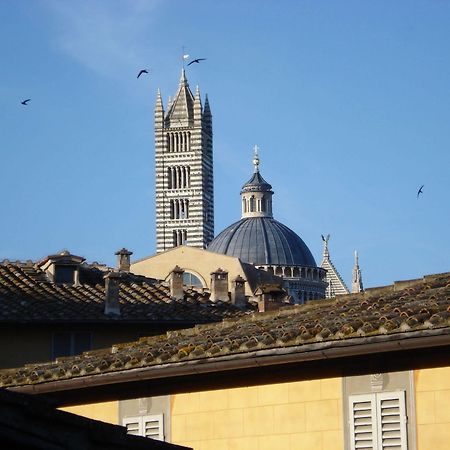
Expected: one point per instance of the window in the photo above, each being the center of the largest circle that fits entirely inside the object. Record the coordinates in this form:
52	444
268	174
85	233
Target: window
70	343
147	426
378	421
189	279
64	274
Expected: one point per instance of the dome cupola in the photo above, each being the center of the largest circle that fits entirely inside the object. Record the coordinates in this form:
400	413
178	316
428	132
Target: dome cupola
256	194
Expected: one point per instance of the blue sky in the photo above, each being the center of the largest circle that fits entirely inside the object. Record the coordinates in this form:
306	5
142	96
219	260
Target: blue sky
349	102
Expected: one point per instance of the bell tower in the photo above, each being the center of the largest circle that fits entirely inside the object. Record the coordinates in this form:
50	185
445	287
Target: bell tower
184	170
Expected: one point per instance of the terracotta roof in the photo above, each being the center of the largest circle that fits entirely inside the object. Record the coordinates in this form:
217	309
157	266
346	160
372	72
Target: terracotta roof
28	295
417	308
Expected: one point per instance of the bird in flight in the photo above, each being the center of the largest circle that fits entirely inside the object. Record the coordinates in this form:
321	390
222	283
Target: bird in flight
420	190
196	61
141	72
25	102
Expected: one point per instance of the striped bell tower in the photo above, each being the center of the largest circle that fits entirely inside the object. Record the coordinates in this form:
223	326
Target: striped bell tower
184	170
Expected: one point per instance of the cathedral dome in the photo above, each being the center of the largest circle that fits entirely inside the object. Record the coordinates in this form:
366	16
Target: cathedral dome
263	241
258	238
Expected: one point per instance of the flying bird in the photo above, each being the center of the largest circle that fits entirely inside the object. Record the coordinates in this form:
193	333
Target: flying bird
25	102
420	190
196	61
141	72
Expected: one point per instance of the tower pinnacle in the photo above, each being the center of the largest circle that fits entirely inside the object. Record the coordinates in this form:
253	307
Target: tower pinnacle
357	284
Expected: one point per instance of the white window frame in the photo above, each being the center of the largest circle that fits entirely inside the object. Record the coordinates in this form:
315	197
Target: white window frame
375	401
141	422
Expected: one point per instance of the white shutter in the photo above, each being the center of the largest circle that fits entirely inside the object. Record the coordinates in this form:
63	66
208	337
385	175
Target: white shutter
391	414
146	426
363	430
133	425
153	426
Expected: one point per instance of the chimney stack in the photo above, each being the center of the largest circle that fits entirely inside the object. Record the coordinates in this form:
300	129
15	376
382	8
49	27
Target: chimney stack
112	306
176	283
123	260
219	285
270	297
238	292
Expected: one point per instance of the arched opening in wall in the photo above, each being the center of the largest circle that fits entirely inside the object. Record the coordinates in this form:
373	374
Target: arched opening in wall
288	272
263	204
244	206
296	272
252	203
167	142
174	238
192	280
169	179
279	271
270	270
172	210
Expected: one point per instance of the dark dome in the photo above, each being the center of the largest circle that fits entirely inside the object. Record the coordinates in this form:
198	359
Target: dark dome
263	241
256	183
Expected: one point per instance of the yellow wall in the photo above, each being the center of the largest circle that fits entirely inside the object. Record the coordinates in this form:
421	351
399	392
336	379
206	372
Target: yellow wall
303	415
106	412
433	408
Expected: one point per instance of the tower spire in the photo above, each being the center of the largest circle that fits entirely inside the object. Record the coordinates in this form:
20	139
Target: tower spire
336	285
357	284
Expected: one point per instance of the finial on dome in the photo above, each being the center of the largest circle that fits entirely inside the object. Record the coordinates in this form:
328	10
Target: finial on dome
256	158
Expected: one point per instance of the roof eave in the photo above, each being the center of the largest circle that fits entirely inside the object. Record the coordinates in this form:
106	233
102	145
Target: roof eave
70	391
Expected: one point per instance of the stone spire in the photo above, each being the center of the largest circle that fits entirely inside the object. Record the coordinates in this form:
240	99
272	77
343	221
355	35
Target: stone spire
181	110
159	110
357	284
256	194
207	116
336	285
197	108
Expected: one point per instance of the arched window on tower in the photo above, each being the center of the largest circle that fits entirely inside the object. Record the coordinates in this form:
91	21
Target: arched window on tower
172	210
244	205
167	142
252	203
263	204
174	238
169	178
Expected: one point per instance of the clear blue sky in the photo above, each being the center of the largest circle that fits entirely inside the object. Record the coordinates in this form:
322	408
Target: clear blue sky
349	102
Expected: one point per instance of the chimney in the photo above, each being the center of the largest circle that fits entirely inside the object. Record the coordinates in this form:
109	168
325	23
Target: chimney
238	292
176	283
219	285
112	306
123	260
270	297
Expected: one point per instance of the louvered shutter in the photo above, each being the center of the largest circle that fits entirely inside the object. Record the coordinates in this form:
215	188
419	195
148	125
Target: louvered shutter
363	429
153	426
133	425
391	414
147	426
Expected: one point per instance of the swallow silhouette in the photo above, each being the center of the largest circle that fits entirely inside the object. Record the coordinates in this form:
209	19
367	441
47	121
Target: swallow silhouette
420	190
141	72
25	102
196	61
